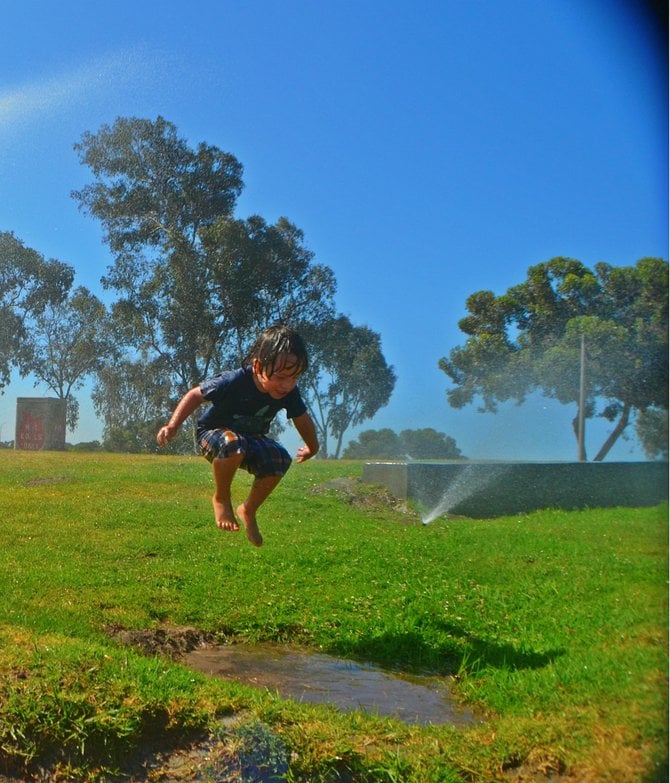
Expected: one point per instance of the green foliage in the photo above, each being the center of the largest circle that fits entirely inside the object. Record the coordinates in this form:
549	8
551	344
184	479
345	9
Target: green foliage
348	379
427	443
196	285
263	274
529	339
89	445
555	624
375	444
139	437
652	430
134	400
28	284
153	195
57	335
69	341
151	189
424	443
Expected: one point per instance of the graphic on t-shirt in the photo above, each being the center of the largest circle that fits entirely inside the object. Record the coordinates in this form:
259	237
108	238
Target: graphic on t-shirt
259	422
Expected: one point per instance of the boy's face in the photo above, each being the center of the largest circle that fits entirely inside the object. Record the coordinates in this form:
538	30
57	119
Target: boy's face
279	380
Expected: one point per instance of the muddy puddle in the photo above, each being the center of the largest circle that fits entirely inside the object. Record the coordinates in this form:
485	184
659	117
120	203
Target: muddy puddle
323	679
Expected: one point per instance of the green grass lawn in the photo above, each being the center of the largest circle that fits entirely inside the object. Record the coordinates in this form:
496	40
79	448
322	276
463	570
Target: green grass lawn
554	624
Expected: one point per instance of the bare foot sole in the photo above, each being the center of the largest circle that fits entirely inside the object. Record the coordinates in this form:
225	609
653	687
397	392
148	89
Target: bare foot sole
253	533
225	519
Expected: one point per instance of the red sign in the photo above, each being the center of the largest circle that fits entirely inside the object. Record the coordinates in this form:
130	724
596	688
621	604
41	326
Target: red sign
31	432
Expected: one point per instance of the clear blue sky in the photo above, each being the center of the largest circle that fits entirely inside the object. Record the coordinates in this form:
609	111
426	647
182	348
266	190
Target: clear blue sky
427	148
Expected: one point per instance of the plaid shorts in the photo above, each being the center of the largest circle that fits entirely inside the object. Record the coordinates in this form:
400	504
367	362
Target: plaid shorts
262	456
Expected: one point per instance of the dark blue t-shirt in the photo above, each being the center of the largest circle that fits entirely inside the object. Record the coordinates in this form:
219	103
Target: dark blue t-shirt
238	404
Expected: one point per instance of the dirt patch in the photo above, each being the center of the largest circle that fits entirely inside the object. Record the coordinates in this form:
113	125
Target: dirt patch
46	481
370	497
241	750
548	769
172	642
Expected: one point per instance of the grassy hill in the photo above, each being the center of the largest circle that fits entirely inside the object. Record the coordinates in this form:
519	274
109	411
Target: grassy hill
553	626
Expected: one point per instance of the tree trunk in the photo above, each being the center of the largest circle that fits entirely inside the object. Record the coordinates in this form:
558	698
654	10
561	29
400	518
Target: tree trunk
315	410
339	444
575	429
614	435
194	432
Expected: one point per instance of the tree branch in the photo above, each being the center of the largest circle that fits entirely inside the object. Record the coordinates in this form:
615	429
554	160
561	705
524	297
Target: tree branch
614	435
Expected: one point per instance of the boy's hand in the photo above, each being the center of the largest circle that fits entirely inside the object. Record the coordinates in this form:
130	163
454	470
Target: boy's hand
166	434
307	432
303	454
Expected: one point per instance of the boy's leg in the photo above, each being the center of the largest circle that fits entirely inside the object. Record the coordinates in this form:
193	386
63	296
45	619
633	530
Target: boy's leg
258	494
224	469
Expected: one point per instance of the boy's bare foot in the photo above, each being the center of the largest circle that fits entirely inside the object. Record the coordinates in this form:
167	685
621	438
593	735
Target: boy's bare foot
223	514
249	519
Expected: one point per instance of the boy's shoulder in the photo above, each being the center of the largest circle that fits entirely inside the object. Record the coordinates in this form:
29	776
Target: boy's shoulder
223	381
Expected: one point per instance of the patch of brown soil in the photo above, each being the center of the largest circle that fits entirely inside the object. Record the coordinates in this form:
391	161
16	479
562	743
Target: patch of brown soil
47	480
611	759
371	497
538	769
215	758
170	641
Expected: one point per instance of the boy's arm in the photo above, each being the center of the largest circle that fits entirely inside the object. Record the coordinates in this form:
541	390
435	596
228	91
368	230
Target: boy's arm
307	430
189	403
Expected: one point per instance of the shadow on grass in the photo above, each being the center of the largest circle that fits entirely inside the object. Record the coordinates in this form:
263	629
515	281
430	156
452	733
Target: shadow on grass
456	651
660	772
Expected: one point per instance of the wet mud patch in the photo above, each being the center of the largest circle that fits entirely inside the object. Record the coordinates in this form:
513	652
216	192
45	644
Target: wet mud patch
317	678
172	642
305	676
241	750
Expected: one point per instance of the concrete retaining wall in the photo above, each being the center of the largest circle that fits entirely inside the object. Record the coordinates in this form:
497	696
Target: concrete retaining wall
489	489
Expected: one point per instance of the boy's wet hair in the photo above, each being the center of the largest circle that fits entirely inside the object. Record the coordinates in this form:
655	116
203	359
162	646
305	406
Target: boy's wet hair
272	347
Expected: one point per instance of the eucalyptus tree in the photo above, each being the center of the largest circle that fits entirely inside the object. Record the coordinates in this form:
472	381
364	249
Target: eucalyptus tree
651	427
348	380
68	342
195	284
130	397
425	443
28	284
258	274
428	443
529	339
375	444
153	194
262	274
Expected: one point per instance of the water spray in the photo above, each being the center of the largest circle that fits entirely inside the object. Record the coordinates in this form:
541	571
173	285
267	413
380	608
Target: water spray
463	487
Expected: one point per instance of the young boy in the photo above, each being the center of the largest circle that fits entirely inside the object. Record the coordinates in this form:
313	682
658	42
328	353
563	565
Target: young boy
232	433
